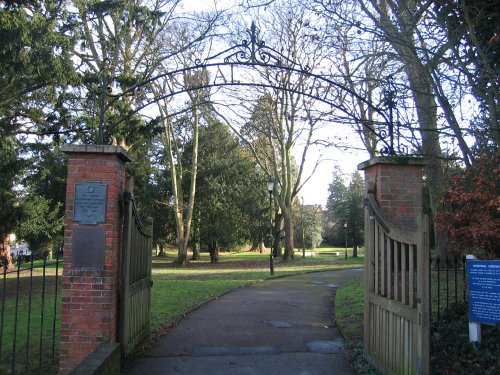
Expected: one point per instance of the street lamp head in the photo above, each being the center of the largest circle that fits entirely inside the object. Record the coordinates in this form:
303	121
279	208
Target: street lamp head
270	185
345	225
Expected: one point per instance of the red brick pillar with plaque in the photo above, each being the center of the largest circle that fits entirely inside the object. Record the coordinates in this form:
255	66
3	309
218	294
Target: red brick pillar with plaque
396	183
92	237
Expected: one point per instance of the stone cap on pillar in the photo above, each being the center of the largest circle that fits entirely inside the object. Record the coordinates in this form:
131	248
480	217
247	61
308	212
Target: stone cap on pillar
97	149
402	160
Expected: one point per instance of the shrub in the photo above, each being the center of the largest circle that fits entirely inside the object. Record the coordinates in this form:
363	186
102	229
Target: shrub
451	351
472	208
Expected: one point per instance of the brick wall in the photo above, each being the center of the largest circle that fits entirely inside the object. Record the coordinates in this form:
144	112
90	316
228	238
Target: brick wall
397	186
90	295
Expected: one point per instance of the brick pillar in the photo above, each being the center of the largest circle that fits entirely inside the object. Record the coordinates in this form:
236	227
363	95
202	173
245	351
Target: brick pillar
396	183
92	236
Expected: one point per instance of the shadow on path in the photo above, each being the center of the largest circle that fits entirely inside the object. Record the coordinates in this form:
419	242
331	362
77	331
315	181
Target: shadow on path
279	326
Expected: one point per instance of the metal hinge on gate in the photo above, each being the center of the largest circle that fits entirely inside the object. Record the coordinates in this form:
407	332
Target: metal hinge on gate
128	196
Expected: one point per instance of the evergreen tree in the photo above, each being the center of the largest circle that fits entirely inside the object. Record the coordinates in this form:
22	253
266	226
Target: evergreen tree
42	199
35	68
345	211
336	209
230	197
355	219
9	208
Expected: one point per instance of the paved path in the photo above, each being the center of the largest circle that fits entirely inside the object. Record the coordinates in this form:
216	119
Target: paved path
280	326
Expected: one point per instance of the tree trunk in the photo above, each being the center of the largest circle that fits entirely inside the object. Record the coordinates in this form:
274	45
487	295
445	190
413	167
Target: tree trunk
161	253
177	195
213	249
196	237
217	249
182	259
255	246
196	251
5	251
277	234
425	100
261	247
182	252
427	114
258	246
355	240
181	244
183	213
288	238
192	190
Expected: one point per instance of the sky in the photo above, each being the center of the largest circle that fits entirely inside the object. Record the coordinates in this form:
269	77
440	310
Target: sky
315	190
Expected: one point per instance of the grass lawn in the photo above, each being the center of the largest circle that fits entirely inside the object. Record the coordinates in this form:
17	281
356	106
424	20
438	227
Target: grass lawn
176	291
201	280
349	302
28	325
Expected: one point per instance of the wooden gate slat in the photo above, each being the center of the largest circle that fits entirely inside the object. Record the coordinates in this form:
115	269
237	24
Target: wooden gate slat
404	251
389	267
397	277
136	278
391	341
396	339
411	273
383	263
377	257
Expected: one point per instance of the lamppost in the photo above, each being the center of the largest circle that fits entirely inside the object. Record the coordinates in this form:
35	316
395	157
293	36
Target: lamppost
345	233
303	234
270	189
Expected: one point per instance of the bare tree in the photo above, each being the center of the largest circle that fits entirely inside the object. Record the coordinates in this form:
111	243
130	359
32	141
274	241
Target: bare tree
358	62
399	25
283	120
181	115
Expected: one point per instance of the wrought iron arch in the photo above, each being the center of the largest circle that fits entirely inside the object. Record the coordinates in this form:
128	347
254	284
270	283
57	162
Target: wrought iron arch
254	53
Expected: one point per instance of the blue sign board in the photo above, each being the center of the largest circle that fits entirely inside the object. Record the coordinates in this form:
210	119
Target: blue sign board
484	290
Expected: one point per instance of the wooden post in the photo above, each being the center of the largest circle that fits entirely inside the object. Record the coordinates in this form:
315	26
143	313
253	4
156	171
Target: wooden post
125	266
423	308
369	274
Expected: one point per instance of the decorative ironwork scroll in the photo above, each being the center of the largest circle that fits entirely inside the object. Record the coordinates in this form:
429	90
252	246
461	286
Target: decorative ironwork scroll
387	136
253	52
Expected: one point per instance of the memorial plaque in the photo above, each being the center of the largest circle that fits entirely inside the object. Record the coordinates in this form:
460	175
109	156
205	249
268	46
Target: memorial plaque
88	247
90	203
484	291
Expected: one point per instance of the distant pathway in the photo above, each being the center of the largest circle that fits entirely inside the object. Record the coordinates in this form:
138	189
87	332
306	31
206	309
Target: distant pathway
280	326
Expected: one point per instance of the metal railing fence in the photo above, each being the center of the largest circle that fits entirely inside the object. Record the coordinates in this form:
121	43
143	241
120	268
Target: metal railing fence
30	306
448	284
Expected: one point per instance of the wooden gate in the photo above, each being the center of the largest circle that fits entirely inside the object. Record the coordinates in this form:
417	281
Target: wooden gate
396	317
135	278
